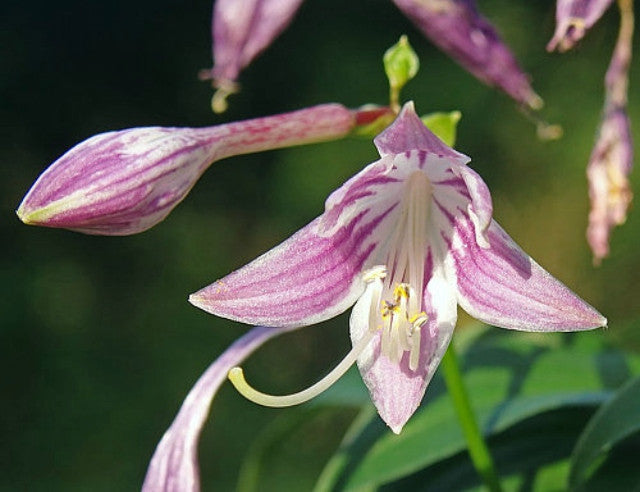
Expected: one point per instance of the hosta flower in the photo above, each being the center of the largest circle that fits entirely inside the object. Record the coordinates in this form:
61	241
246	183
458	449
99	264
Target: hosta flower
125	182
609	190
612	157
458	29
404	241
241	29
573	19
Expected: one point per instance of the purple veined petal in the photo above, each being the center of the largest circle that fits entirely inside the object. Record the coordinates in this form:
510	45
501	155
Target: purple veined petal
373	194
380	185
573	19
395	389
241	29
408	132
174	466
501	285
308	278
458	29
124	182
480	208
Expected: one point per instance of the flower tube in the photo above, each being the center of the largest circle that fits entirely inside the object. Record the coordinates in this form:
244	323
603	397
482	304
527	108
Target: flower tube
124	182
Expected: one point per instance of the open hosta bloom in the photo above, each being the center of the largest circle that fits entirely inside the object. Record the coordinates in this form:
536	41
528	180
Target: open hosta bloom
458	29
404	241
573	19
127	181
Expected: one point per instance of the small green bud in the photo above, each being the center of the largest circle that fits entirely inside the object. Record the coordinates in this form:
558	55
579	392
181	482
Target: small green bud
401	64
444	125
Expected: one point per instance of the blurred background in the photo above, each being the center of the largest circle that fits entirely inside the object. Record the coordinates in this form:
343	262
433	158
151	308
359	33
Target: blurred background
98	345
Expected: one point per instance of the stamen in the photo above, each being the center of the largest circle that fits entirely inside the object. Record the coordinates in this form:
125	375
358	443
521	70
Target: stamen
373	278
399	315
417	321
236	376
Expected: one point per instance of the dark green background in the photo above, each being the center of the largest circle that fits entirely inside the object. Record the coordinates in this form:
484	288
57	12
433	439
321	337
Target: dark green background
98	345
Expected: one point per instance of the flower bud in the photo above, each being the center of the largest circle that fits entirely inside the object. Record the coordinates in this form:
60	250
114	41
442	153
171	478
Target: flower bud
612	156
608	174
573	19
124	182
458	29
241	29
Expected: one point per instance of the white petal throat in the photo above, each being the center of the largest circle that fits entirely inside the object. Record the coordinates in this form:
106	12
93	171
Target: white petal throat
397	294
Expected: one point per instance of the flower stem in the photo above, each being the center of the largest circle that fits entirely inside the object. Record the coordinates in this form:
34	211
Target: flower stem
478	450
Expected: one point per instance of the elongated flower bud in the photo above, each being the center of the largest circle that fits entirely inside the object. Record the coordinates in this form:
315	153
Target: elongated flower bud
573	19
124	182
612	156
458	29
608	171
241	29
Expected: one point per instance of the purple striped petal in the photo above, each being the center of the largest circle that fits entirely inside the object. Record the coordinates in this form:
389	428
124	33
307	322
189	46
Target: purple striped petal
573	19
125	182
480	208
241	29
174	466
308	278
458	29
501	285
408	132
395	389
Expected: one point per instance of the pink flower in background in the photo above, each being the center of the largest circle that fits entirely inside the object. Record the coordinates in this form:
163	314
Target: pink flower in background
611	160
573	19
609	190
124	182
241	30
404	242
458	29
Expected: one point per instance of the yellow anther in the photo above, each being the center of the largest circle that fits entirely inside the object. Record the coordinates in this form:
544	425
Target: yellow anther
388	309
401	291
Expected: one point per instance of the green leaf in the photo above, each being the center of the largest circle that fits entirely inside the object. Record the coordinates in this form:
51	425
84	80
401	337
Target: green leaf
614	421
533	451
511	377
335	467
276	460
444	125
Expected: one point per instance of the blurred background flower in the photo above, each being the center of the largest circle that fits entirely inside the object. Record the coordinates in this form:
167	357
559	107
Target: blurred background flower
98	346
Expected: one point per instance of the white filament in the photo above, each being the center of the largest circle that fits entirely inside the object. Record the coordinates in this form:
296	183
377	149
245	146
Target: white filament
402	318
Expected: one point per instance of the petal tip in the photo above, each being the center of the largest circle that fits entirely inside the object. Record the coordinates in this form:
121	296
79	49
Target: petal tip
197	299
24	216
396	429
